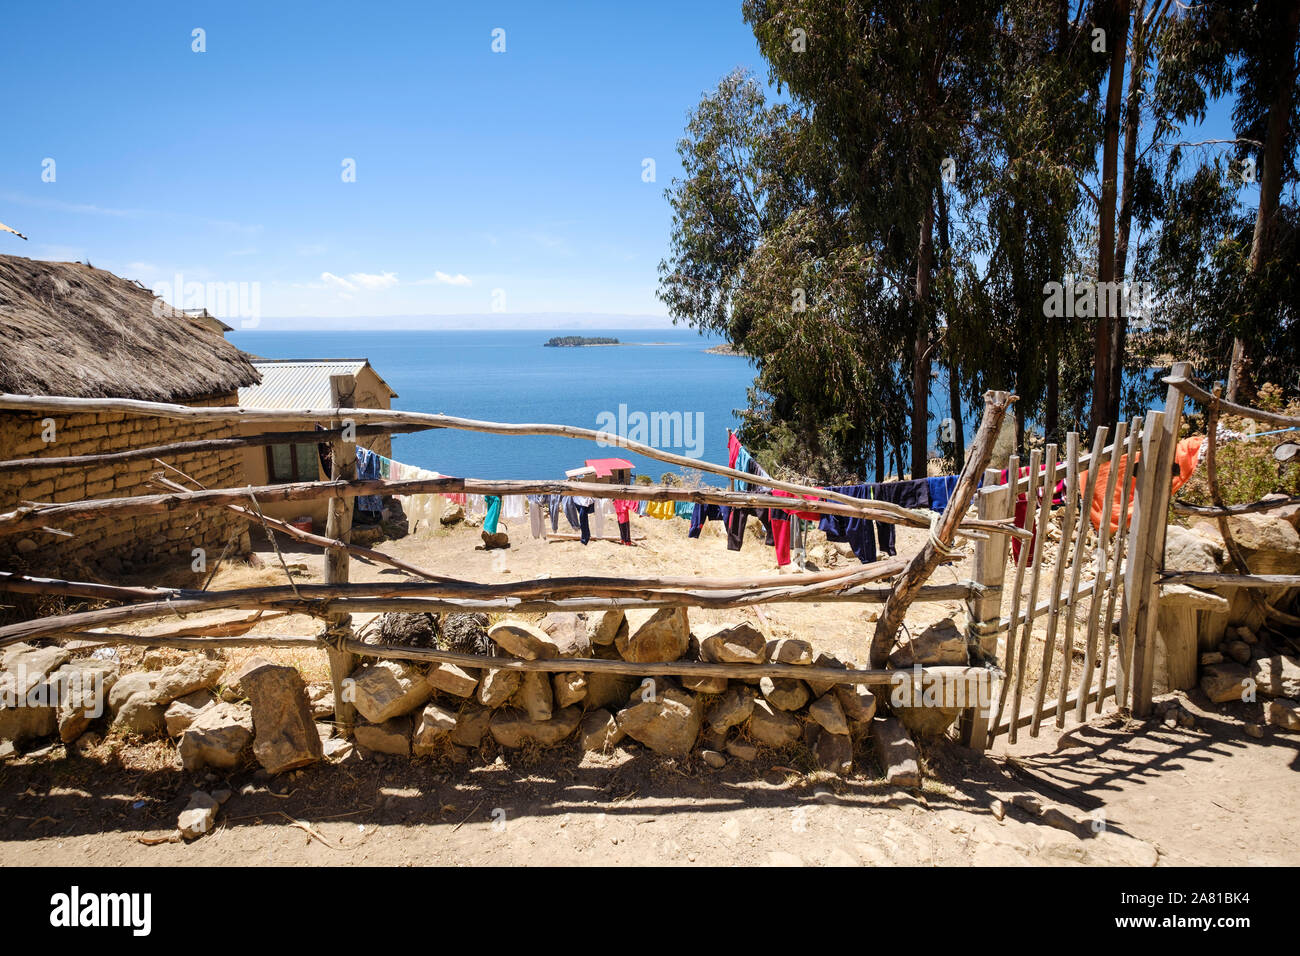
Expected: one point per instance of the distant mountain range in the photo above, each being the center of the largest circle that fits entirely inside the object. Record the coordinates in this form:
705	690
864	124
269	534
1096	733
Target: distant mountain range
483	320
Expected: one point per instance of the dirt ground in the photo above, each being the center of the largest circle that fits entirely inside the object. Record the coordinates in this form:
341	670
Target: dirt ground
1208	794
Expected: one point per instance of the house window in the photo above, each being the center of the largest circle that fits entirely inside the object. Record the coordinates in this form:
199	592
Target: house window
286	463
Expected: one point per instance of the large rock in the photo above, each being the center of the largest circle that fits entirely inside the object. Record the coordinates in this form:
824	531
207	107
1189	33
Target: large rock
655	636
822	687
607	626
740	644
941	643
859	704
895	752
789	650
497	686
606	689
433	730
701	684
667	723
386	689
571	631
28	702
599	730
534	695
1225	682
828	712
471	725
568	688
1276	676
217	737
1188	550
452	679
733	708
284	733
784	692
183	711
83	686
1271	545
523	640
772	727
834	752
139	700
392	736
511	727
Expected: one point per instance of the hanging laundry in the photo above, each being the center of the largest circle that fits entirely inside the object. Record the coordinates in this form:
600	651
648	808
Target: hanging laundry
701	514
622	512
683	509
941	490
1187	455
661	509
571	512
736	528
535	515
368	469
733	449
914	493
493	514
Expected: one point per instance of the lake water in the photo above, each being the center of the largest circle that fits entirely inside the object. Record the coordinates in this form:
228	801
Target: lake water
509	376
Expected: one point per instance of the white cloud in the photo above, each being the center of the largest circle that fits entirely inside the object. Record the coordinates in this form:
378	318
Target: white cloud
331	279
357	281
373	280
442	278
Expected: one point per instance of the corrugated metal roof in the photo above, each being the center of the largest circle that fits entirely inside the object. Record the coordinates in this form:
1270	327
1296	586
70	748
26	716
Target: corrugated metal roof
300	383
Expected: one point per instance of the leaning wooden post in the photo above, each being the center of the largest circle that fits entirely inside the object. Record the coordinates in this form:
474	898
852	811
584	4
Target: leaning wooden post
338	526
1156	520
942	532
984	609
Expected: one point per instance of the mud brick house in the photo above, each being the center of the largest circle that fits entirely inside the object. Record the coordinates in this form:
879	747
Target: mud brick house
72	330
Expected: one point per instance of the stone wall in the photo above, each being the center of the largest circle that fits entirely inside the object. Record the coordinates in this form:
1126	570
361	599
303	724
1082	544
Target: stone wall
117	544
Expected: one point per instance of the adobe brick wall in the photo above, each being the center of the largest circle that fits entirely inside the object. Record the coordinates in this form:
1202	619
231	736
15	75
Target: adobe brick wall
106	547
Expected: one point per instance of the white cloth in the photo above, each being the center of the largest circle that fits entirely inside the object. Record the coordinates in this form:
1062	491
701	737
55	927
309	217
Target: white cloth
512	506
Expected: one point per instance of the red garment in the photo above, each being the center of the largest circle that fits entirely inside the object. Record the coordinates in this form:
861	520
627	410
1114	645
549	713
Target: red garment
781	539
733	449
622	509
805	515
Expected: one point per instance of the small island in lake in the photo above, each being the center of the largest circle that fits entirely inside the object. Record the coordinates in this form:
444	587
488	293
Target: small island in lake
574	341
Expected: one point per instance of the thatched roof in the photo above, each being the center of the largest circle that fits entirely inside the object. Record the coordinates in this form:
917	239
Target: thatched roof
71	329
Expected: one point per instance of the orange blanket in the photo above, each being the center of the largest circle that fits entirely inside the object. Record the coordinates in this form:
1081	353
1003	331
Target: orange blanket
1185	457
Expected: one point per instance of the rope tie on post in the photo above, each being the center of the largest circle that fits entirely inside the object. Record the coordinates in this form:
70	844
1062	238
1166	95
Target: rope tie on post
946	550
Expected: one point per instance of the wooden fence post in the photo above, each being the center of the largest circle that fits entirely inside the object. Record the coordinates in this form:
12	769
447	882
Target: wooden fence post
984	611
339	527
1156	521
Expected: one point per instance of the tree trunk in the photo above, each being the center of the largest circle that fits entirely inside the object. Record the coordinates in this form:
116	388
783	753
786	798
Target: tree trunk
1270	191
1132	122
1104	406
954	368
921	345
1052	414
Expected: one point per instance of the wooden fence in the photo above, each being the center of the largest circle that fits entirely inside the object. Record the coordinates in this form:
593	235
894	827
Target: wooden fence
337	598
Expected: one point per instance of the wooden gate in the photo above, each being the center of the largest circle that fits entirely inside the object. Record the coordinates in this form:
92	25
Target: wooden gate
1070	620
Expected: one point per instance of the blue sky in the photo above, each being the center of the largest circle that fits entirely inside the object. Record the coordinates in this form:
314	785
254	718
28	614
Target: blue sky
475	171
485	182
